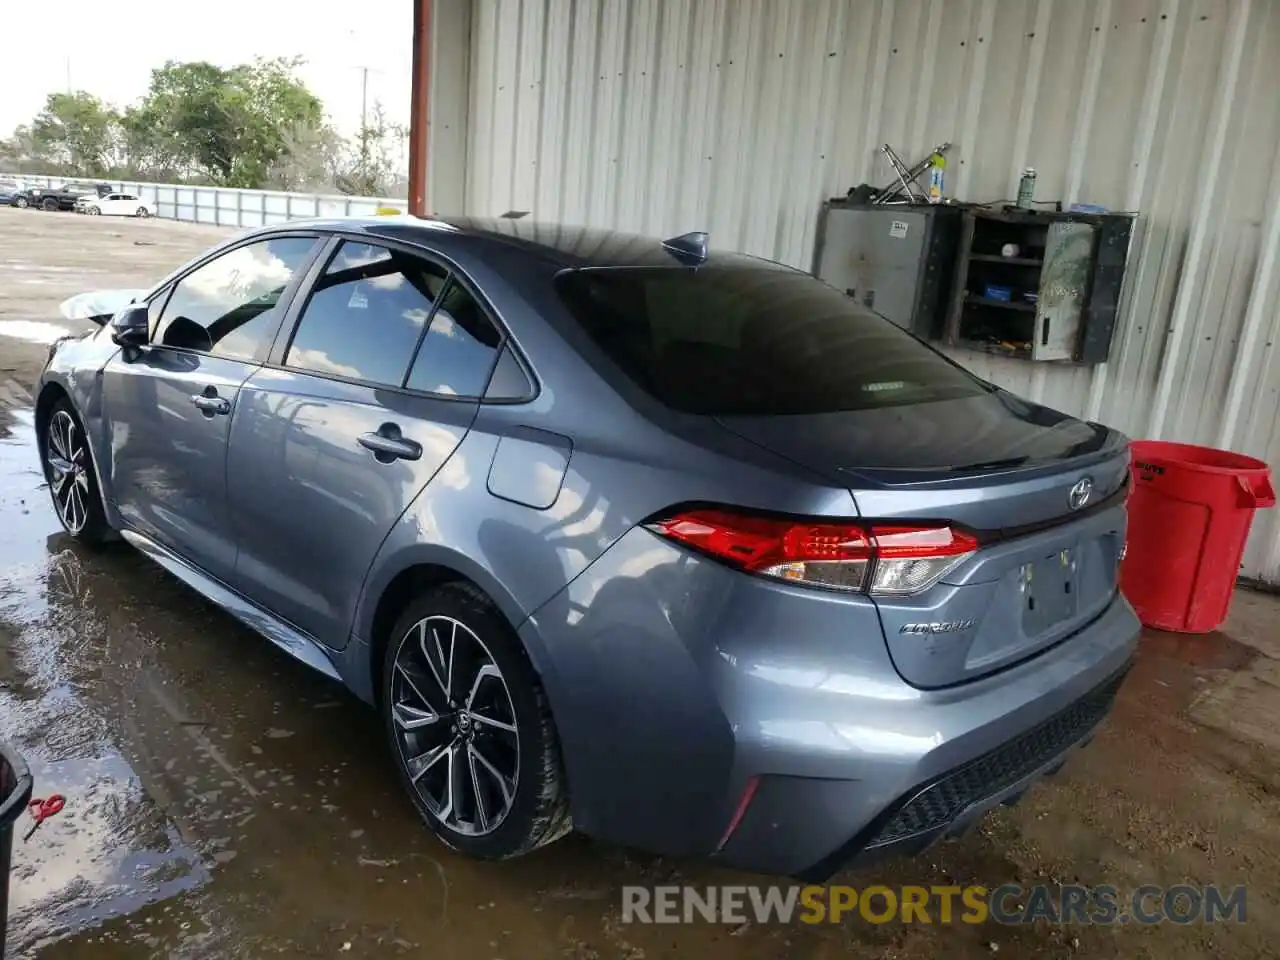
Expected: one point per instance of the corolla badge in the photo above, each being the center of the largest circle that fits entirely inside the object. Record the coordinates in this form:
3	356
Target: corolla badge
1080	493
945	626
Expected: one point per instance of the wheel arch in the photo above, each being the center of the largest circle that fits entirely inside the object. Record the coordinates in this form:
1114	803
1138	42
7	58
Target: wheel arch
414	571
49	395
51	392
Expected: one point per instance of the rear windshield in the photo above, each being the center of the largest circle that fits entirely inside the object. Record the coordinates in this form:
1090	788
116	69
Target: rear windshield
754	340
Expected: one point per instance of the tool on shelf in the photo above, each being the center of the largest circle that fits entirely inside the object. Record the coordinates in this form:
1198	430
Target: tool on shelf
907	176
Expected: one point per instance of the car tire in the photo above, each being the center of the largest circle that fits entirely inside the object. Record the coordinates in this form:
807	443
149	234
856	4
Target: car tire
94	212
517	772
143	213
49	204
68	469
21	203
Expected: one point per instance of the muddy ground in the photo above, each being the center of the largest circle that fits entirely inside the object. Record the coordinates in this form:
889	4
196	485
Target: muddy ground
225	802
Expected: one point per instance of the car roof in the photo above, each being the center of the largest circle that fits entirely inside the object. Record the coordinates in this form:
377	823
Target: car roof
570	246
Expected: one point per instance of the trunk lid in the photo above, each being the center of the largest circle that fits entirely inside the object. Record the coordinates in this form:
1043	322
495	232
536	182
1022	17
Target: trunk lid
1010	471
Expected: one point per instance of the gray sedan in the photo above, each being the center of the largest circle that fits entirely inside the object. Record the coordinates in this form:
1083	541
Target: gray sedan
687	551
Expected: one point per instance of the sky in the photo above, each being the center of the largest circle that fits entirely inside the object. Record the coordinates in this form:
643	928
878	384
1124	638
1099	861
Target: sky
112	52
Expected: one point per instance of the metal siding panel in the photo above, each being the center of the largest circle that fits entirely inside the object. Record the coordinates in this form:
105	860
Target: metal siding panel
484	53
552	131
506	115
670	115
448	109
707	44
637	110
583	70
669	151
808	163
773	131
604	138
528	99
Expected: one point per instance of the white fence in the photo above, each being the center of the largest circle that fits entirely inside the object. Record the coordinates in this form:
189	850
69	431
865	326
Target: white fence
227	207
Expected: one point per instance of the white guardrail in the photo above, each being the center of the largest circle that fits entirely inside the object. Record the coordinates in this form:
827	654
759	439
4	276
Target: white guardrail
226	206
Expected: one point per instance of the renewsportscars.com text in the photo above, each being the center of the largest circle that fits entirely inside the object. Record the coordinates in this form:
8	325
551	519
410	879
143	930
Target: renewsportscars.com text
1006	904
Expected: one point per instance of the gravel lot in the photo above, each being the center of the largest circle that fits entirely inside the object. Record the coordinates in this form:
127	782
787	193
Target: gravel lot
224	802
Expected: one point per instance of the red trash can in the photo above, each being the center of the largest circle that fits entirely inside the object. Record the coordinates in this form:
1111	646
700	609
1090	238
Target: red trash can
1189	517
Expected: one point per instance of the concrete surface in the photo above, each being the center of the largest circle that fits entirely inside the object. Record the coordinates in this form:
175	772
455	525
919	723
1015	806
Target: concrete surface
224	802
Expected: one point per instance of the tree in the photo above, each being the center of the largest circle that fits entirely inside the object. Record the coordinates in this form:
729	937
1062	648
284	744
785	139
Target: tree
251	125
313	160
370	167
229	125
77	131
19	154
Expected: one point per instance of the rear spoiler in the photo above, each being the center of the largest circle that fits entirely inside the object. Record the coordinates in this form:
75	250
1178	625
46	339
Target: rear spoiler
98	306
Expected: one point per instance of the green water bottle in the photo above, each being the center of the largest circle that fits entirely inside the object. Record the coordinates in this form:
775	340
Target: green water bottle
1027	188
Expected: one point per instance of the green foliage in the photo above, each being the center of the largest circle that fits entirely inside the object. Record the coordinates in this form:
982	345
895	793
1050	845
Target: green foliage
76	130
245	126
229	125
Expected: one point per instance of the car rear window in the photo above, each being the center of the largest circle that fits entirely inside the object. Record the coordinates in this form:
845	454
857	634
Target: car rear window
754	340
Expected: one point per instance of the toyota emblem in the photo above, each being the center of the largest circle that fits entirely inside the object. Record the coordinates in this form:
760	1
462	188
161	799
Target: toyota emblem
1080	493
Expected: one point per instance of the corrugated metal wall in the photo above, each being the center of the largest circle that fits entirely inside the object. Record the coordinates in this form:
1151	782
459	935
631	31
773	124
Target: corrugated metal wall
740	116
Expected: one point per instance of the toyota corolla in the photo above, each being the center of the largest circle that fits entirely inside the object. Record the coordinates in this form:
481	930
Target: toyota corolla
684	550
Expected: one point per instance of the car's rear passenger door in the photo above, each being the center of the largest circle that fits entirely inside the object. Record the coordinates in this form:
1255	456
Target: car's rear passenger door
350	419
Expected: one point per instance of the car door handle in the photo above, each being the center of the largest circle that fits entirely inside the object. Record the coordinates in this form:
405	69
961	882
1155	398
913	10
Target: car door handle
212	405
388	445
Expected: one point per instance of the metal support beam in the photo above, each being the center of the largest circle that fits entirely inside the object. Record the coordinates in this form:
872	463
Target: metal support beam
420	107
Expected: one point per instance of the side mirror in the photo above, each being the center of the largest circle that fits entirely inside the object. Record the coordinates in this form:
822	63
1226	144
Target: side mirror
131	326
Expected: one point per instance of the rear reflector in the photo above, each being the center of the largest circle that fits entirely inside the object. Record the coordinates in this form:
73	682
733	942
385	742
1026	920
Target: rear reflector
893	559
740	811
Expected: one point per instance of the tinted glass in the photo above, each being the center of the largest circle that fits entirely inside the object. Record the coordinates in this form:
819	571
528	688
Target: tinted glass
230	306
458	350
508	381
366	314
754	340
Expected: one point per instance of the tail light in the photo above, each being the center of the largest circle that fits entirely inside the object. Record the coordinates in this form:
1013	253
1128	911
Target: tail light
886	559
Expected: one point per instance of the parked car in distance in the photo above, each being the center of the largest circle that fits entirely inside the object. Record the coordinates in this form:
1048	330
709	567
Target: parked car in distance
64	197
114	205
10	194
690	552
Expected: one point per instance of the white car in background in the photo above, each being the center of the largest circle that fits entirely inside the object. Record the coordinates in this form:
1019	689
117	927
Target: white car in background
115	205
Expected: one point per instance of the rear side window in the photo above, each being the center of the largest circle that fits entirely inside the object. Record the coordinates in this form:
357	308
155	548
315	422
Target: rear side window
754	340
459	349
366	314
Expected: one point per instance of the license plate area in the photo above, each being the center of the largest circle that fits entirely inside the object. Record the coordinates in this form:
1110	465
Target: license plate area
1049	588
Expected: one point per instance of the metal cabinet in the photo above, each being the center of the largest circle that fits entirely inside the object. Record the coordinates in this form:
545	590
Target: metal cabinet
1038	286
896	260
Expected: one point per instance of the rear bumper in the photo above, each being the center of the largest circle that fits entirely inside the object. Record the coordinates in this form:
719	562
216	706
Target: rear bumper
951	804
677	685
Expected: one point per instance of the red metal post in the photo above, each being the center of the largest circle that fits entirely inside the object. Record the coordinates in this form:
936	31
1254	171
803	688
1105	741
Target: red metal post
419	107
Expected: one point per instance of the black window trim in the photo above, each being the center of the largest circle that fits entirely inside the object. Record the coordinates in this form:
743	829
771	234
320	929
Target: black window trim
164	292
453	274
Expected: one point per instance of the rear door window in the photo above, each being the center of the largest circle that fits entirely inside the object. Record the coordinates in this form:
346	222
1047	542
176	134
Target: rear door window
754	339
229	307
366	315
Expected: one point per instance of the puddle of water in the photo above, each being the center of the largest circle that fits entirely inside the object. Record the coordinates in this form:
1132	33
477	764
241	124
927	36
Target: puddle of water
108	853
112	850
32	331
24	499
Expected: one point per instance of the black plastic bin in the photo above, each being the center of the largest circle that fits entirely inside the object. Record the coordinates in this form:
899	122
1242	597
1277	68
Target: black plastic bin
15	794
